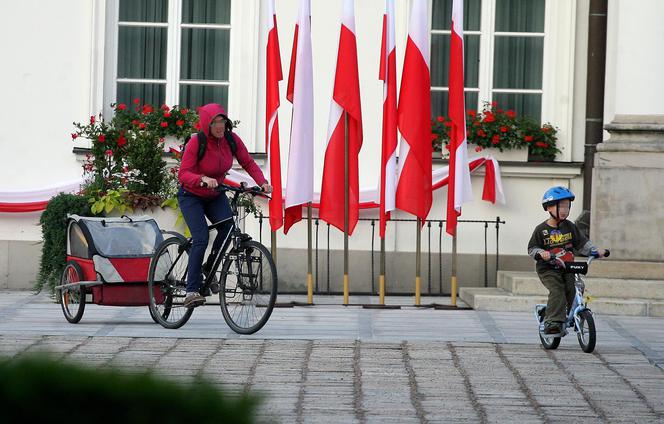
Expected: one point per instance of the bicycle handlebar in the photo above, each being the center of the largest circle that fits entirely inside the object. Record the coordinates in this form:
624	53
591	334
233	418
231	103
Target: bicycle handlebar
560	264
242	188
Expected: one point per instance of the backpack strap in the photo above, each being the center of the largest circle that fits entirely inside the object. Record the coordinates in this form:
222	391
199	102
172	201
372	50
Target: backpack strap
231	142
202	145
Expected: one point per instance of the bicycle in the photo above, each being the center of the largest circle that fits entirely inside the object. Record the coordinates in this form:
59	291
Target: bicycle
247	278
579	316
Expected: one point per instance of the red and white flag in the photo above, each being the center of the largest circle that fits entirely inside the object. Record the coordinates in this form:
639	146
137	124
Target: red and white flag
388	74
345	98
273	76
414	118
459	189
300	92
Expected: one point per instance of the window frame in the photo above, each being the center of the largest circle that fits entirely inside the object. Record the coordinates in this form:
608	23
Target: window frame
243	50
557	92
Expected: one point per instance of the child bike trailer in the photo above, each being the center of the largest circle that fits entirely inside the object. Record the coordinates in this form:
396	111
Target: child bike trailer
107	262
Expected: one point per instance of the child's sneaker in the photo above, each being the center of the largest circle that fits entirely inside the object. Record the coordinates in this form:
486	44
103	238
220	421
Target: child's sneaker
193	299
552	328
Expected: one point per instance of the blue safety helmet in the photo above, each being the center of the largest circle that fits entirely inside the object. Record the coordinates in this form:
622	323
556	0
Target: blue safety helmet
555	195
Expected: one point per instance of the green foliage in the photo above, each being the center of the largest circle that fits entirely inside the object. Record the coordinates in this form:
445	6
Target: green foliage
247	201
40	389
54	235
113	199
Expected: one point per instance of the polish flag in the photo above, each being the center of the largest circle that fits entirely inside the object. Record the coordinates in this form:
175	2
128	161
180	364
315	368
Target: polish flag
300	92
273	76
414	118
459	189
388	74
345	98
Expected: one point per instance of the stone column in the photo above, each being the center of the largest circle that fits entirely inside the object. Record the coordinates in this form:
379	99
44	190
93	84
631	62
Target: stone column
628	189
627	205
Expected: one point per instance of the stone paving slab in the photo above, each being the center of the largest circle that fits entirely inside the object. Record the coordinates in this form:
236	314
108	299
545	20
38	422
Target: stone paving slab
347	364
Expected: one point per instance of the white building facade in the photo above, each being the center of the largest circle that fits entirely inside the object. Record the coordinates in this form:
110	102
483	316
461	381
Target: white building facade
68	60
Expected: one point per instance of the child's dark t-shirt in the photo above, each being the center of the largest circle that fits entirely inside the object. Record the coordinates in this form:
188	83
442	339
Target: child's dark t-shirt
565	237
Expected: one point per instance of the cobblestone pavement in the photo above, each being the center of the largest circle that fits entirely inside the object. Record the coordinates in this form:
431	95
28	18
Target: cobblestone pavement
336	364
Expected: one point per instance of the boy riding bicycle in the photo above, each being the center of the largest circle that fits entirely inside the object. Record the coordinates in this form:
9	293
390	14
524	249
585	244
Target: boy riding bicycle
557	239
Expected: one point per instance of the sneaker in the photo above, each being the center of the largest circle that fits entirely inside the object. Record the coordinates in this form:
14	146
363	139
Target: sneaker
551	328
193	299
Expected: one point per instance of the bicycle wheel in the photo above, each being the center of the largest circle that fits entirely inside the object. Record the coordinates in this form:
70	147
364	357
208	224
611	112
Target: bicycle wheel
167	283
248	287
72	299
586	331
549	342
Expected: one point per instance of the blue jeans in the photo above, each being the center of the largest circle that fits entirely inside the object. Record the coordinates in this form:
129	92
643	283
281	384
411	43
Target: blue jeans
195	209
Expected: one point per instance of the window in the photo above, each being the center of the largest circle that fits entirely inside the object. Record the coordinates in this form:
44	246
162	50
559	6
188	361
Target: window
504	54
173	52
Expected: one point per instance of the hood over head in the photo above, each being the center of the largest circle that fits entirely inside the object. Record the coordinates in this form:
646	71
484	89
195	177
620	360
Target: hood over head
207	113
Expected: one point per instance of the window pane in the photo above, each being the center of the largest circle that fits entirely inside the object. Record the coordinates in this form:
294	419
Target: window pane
440	60
442	14
206	12
193	96
439	101
205	54
143	10
518	62
142	52
520	15
522	104
154	94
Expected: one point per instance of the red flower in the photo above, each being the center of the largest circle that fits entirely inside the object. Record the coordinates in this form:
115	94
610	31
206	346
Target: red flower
495	139
494	104
477	123
528	138
179	122
510	114
546	129
135	122
448	123
481	133
101	138
434	136
92	120
478	149
161	139
499	110
165	108
109	152
197	125
472	113
147	109
440	119
503	129
137	101
488	117
541	144
121	106
164	124
184	111
141	125
122	140
167	114
74	136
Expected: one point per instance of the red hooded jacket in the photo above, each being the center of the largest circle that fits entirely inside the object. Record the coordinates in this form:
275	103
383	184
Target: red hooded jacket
218	157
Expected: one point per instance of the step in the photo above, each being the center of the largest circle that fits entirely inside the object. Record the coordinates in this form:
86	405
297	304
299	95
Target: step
528	283
638	270
497	299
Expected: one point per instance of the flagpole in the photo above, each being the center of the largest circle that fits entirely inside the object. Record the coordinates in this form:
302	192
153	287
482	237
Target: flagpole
381	278
273	246
417	263
310	280
346	207
454	270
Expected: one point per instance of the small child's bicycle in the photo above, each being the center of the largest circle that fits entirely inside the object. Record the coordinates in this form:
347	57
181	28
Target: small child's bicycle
579	317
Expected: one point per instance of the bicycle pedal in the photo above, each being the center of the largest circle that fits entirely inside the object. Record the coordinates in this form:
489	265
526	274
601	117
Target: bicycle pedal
214	288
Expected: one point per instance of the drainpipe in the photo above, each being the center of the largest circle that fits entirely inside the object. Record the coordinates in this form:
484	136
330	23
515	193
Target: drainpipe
594	101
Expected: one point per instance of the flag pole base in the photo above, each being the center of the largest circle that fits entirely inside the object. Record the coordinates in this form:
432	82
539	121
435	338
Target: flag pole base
310	289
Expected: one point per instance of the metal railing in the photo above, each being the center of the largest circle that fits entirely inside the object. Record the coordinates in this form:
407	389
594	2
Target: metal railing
431	227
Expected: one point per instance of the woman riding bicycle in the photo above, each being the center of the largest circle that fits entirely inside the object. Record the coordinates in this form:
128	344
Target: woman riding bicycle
206	160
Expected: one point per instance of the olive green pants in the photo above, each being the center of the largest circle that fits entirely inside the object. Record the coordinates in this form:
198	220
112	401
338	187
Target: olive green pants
561	294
